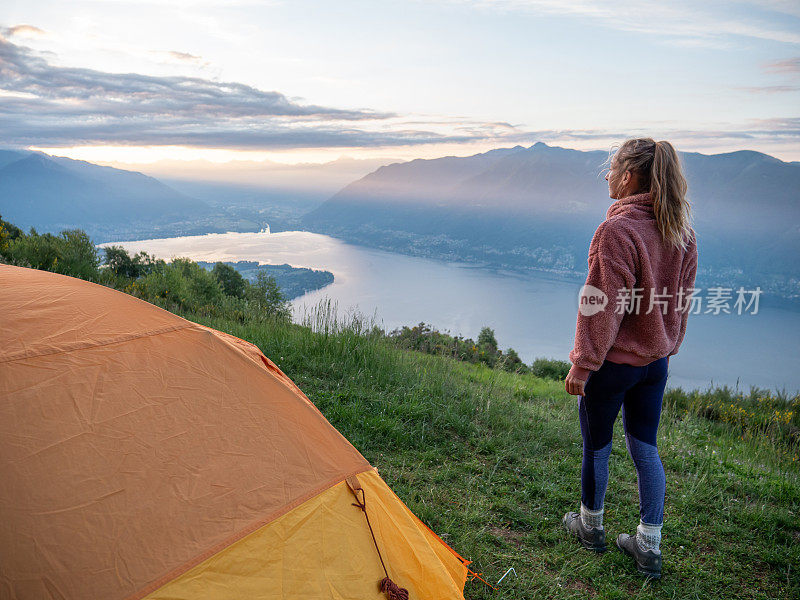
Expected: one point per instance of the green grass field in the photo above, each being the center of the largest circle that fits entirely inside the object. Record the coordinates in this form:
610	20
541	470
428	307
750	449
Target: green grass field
491	461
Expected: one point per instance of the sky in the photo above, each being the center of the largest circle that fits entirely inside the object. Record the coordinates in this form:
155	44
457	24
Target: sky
294	82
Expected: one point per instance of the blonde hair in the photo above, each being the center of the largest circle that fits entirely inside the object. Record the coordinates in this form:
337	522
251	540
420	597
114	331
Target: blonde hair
659	170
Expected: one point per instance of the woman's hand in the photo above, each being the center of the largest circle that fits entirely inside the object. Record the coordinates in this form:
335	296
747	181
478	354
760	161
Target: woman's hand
573	385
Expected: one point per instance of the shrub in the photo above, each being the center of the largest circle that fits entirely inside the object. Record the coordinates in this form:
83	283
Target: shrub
70	253
181	282
8	233
550	369
232	282
511	362
121	263
761	413
267	297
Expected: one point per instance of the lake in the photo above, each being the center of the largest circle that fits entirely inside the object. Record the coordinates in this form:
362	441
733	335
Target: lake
535	315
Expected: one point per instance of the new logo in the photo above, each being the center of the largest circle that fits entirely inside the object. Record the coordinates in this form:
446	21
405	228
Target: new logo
591	300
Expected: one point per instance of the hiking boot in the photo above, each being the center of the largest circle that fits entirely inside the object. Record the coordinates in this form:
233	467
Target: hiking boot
592	538
647	561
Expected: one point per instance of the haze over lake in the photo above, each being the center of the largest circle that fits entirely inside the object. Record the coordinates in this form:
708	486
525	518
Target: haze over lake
535	315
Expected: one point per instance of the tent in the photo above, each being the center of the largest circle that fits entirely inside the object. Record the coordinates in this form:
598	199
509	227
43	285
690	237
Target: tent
146	456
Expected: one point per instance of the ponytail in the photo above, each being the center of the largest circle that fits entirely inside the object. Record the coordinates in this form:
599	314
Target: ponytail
668	189
660	171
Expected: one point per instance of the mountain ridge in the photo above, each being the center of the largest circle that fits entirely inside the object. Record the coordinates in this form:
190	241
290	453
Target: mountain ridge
536	208
39	190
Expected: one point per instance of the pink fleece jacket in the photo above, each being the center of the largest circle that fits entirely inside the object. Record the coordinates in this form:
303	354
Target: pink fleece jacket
628	253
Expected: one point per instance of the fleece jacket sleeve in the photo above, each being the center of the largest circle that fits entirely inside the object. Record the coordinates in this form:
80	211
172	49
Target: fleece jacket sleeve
688	275
612	267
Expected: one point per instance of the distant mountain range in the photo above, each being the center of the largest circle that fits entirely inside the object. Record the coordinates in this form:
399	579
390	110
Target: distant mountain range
537	208
522	209
54	193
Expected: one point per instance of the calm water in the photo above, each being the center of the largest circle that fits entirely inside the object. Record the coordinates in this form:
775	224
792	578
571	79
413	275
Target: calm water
534	315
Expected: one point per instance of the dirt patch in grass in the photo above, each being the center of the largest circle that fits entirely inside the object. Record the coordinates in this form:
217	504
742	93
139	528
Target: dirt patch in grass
508	535
579	585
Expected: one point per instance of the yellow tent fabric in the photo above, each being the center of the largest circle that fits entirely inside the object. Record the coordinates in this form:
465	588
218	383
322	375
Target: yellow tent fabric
146	456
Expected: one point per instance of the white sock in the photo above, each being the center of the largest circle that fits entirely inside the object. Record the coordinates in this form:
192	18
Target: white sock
648	537
591	518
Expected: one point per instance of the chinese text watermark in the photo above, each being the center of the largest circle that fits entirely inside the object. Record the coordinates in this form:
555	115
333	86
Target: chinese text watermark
592	300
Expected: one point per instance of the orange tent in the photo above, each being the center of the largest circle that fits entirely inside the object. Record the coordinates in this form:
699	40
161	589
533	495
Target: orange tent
146	456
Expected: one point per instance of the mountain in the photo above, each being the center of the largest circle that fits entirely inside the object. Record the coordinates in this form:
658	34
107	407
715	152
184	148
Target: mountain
9	156
537	208
52	193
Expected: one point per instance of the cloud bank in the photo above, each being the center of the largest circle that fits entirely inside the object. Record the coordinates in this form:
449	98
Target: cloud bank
683	22
45	104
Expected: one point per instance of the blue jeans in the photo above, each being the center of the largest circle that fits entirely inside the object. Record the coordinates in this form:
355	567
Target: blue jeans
639	391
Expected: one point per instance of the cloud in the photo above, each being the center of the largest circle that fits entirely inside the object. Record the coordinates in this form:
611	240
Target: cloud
184	56
24	31
782	126
789	65
684	22
46	104
769	89
788	7
129	94
175	56
765	130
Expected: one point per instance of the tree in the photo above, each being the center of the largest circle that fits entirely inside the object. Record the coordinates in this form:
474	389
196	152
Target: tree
487	341
232	282
78	255
266	294
8	233
120	262
123	264
203	286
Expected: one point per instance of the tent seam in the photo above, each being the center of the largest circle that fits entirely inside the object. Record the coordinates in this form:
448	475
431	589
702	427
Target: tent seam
86	346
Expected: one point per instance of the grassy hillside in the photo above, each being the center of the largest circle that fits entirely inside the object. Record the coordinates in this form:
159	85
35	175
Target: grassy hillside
490	460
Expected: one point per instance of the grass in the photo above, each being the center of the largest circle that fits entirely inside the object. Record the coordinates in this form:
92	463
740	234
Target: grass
491	460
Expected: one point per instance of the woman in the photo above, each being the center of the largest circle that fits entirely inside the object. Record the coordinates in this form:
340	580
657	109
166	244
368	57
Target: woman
632	317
